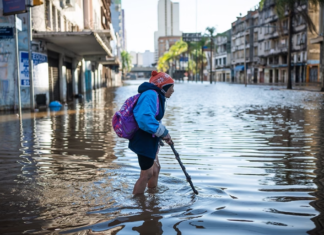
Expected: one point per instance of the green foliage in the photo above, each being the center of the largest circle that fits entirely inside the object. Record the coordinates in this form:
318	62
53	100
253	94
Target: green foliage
173	54
126	62
192	67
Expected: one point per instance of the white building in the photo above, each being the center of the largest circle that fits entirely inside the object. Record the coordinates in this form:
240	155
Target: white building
137	59
148	58
168	22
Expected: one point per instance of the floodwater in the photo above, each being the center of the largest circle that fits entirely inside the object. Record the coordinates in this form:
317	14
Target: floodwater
255	155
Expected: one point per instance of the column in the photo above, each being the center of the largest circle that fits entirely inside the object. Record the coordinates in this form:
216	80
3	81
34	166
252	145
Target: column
62	78
95	78
75	76
83	88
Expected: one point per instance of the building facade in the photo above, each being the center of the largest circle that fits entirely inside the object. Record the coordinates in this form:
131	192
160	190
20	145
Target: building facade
168	23
118	21
165	43
222	57
273	47
259	40
73	52
244	45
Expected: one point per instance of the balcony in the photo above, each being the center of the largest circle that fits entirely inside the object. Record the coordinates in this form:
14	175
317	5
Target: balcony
220	53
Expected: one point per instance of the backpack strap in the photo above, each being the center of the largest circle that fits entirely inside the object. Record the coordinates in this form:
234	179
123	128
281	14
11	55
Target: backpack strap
157	104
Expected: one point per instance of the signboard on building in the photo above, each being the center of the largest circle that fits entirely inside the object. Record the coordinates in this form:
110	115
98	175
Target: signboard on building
40	65
191	37
6	33
183	59
12	7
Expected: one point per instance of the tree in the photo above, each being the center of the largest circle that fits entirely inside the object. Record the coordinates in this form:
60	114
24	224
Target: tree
192	67
126	63
202	59
294	8
164	62
210	34
172	56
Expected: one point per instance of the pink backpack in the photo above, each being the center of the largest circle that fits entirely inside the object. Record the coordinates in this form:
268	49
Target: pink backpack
124	122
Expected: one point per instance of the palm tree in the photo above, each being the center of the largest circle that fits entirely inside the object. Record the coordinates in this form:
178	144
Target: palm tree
191	49
191	67
172	56
211	35
202	56
294	8
126	62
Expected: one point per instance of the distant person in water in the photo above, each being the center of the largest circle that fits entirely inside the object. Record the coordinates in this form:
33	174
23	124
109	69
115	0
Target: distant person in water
148	113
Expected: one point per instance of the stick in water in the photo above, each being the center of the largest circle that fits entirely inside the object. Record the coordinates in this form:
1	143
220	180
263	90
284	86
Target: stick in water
184	169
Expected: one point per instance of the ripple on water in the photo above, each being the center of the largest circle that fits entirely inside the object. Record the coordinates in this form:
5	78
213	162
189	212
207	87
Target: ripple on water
254	155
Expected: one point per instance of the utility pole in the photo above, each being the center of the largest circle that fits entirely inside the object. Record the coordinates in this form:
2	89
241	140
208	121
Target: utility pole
211	59
30	56
18	70
290	17
196	42
245	78
321	26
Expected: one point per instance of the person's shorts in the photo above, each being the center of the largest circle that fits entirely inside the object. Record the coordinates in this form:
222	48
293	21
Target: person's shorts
145	162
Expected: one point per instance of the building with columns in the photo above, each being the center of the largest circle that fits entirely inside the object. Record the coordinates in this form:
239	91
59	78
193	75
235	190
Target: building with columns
78	49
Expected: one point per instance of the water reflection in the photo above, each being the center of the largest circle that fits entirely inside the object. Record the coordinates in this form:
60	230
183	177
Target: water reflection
255	155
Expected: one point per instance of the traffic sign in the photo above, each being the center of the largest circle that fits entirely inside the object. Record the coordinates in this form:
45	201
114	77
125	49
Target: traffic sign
191	37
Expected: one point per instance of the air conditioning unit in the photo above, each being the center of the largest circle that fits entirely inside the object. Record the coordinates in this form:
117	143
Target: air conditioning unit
70	3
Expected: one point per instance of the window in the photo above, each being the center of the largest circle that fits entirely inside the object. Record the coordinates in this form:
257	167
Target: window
220	61
47	14
54	17
285	24
59	20
216	61
224	61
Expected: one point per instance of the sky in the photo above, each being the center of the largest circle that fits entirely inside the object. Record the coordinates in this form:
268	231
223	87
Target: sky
141	18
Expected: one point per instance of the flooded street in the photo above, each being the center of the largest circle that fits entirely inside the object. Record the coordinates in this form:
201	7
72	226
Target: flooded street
255	155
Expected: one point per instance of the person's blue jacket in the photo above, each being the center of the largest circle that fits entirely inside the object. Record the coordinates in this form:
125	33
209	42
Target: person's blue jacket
146	139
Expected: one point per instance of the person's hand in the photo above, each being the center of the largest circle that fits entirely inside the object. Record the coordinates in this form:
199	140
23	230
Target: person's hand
168	139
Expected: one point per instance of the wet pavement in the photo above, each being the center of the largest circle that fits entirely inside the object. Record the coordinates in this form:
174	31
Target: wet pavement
255	155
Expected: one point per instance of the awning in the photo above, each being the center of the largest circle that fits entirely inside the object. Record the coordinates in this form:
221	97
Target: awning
81	43
239	68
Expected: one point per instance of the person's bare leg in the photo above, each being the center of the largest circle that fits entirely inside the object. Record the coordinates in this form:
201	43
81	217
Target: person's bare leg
141	183
153	182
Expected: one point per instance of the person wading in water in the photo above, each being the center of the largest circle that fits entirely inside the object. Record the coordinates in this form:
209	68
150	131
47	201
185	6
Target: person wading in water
148	114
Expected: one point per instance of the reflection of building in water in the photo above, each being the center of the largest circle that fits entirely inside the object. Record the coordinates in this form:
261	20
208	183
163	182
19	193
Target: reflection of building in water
317	128
63	165
285	130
